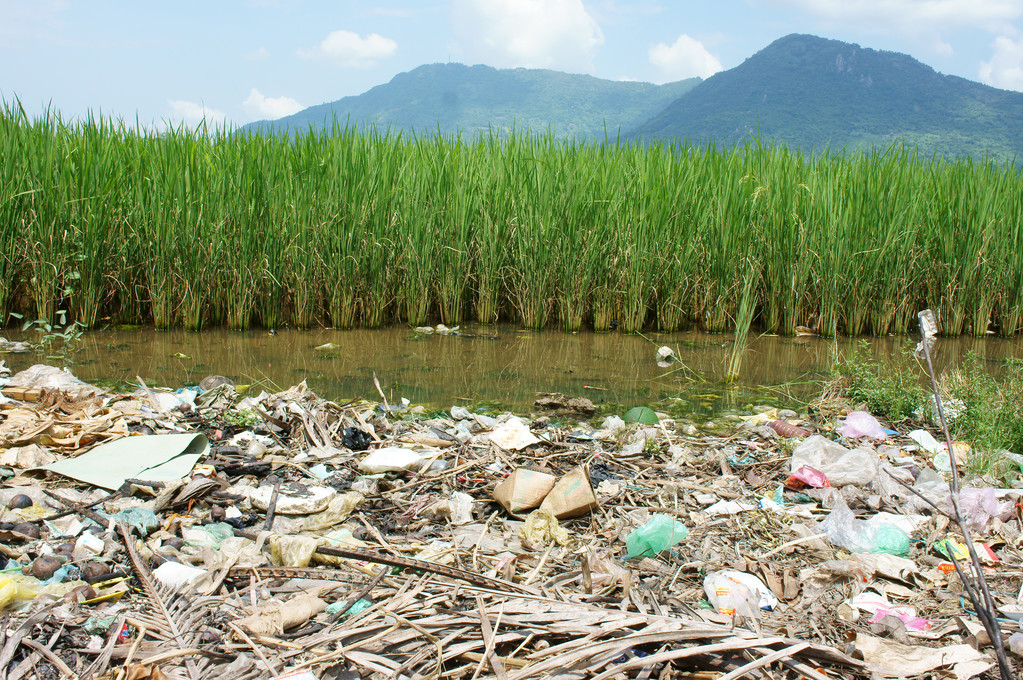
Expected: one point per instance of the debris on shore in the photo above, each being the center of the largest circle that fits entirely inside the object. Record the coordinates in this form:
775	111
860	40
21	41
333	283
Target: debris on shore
203	533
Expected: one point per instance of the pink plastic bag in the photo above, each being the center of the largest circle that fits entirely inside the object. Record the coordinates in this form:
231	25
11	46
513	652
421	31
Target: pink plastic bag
861	424
807	476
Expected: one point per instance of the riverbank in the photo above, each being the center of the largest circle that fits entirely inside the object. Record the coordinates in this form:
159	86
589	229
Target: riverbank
392	546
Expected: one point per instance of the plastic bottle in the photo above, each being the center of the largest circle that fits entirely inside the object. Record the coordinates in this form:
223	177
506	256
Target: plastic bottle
658	534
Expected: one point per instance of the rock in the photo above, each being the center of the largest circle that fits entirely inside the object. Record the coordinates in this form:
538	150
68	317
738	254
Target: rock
44	566
212	381
564	405
21	501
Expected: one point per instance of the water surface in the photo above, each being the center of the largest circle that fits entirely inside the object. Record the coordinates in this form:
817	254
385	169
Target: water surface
503	365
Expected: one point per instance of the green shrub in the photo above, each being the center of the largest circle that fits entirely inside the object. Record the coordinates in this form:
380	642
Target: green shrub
992	414
890	389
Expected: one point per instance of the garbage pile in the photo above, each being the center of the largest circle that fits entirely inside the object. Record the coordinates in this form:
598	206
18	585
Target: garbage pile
204	533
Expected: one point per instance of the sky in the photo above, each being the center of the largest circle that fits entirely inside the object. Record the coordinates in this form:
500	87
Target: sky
236	61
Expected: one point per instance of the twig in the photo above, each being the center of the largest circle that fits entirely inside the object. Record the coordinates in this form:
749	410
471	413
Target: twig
48	654
255	648
488	638
272	507
16	637
764	660
987	614
376	384
347	604
788	544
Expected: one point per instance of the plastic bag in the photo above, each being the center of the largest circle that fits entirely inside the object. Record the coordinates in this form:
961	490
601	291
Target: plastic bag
843	529
656	536
15	589
861	424
207	535
391	459
541	528
978	506
293	551
840	465
934	488
734	593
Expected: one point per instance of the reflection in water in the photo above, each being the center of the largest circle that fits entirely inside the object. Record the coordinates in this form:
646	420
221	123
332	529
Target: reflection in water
500	364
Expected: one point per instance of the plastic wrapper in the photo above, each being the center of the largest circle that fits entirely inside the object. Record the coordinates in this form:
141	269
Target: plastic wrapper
541	528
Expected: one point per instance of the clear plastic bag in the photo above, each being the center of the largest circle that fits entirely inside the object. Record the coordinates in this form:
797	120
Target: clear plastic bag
840	465
843	529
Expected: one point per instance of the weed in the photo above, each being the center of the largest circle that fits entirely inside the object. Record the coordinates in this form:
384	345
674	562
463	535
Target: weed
890	389
992	413
987	413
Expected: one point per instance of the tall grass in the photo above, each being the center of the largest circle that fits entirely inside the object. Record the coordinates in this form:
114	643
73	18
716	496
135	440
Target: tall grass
347	227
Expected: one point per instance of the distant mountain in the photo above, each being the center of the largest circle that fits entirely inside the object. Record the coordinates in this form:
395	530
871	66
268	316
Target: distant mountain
455	98
808	92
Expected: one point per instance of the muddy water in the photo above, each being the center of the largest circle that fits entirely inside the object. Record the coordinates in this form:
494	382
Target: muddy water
500	366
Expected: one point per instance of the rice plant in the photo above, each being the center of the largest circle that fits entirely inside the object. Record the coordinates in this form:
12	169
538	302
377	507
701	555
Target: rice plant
350	226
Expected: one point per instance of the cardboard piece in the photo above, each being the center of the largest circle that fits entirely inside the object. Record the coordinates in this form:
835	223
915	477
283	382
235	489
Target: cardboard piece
154	458
524	489
572	496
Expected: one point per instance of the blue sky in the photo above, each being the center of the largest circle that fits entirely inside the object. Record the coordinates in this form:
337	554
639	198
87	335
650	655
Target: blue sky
244	60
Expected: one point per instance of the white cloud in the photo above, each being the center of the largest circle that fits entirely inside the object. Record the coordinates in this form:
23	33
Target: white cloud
351	50
531	33
1005	70
685	58
270	107
192	114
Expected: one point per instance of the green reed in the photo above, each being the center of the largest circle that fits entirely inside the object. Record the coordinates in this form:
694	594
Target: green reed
346	227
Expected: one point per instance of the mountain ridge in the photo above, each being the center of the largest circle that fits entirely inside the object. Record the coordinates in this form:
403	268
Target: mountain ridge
456	98
802	91
810	92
